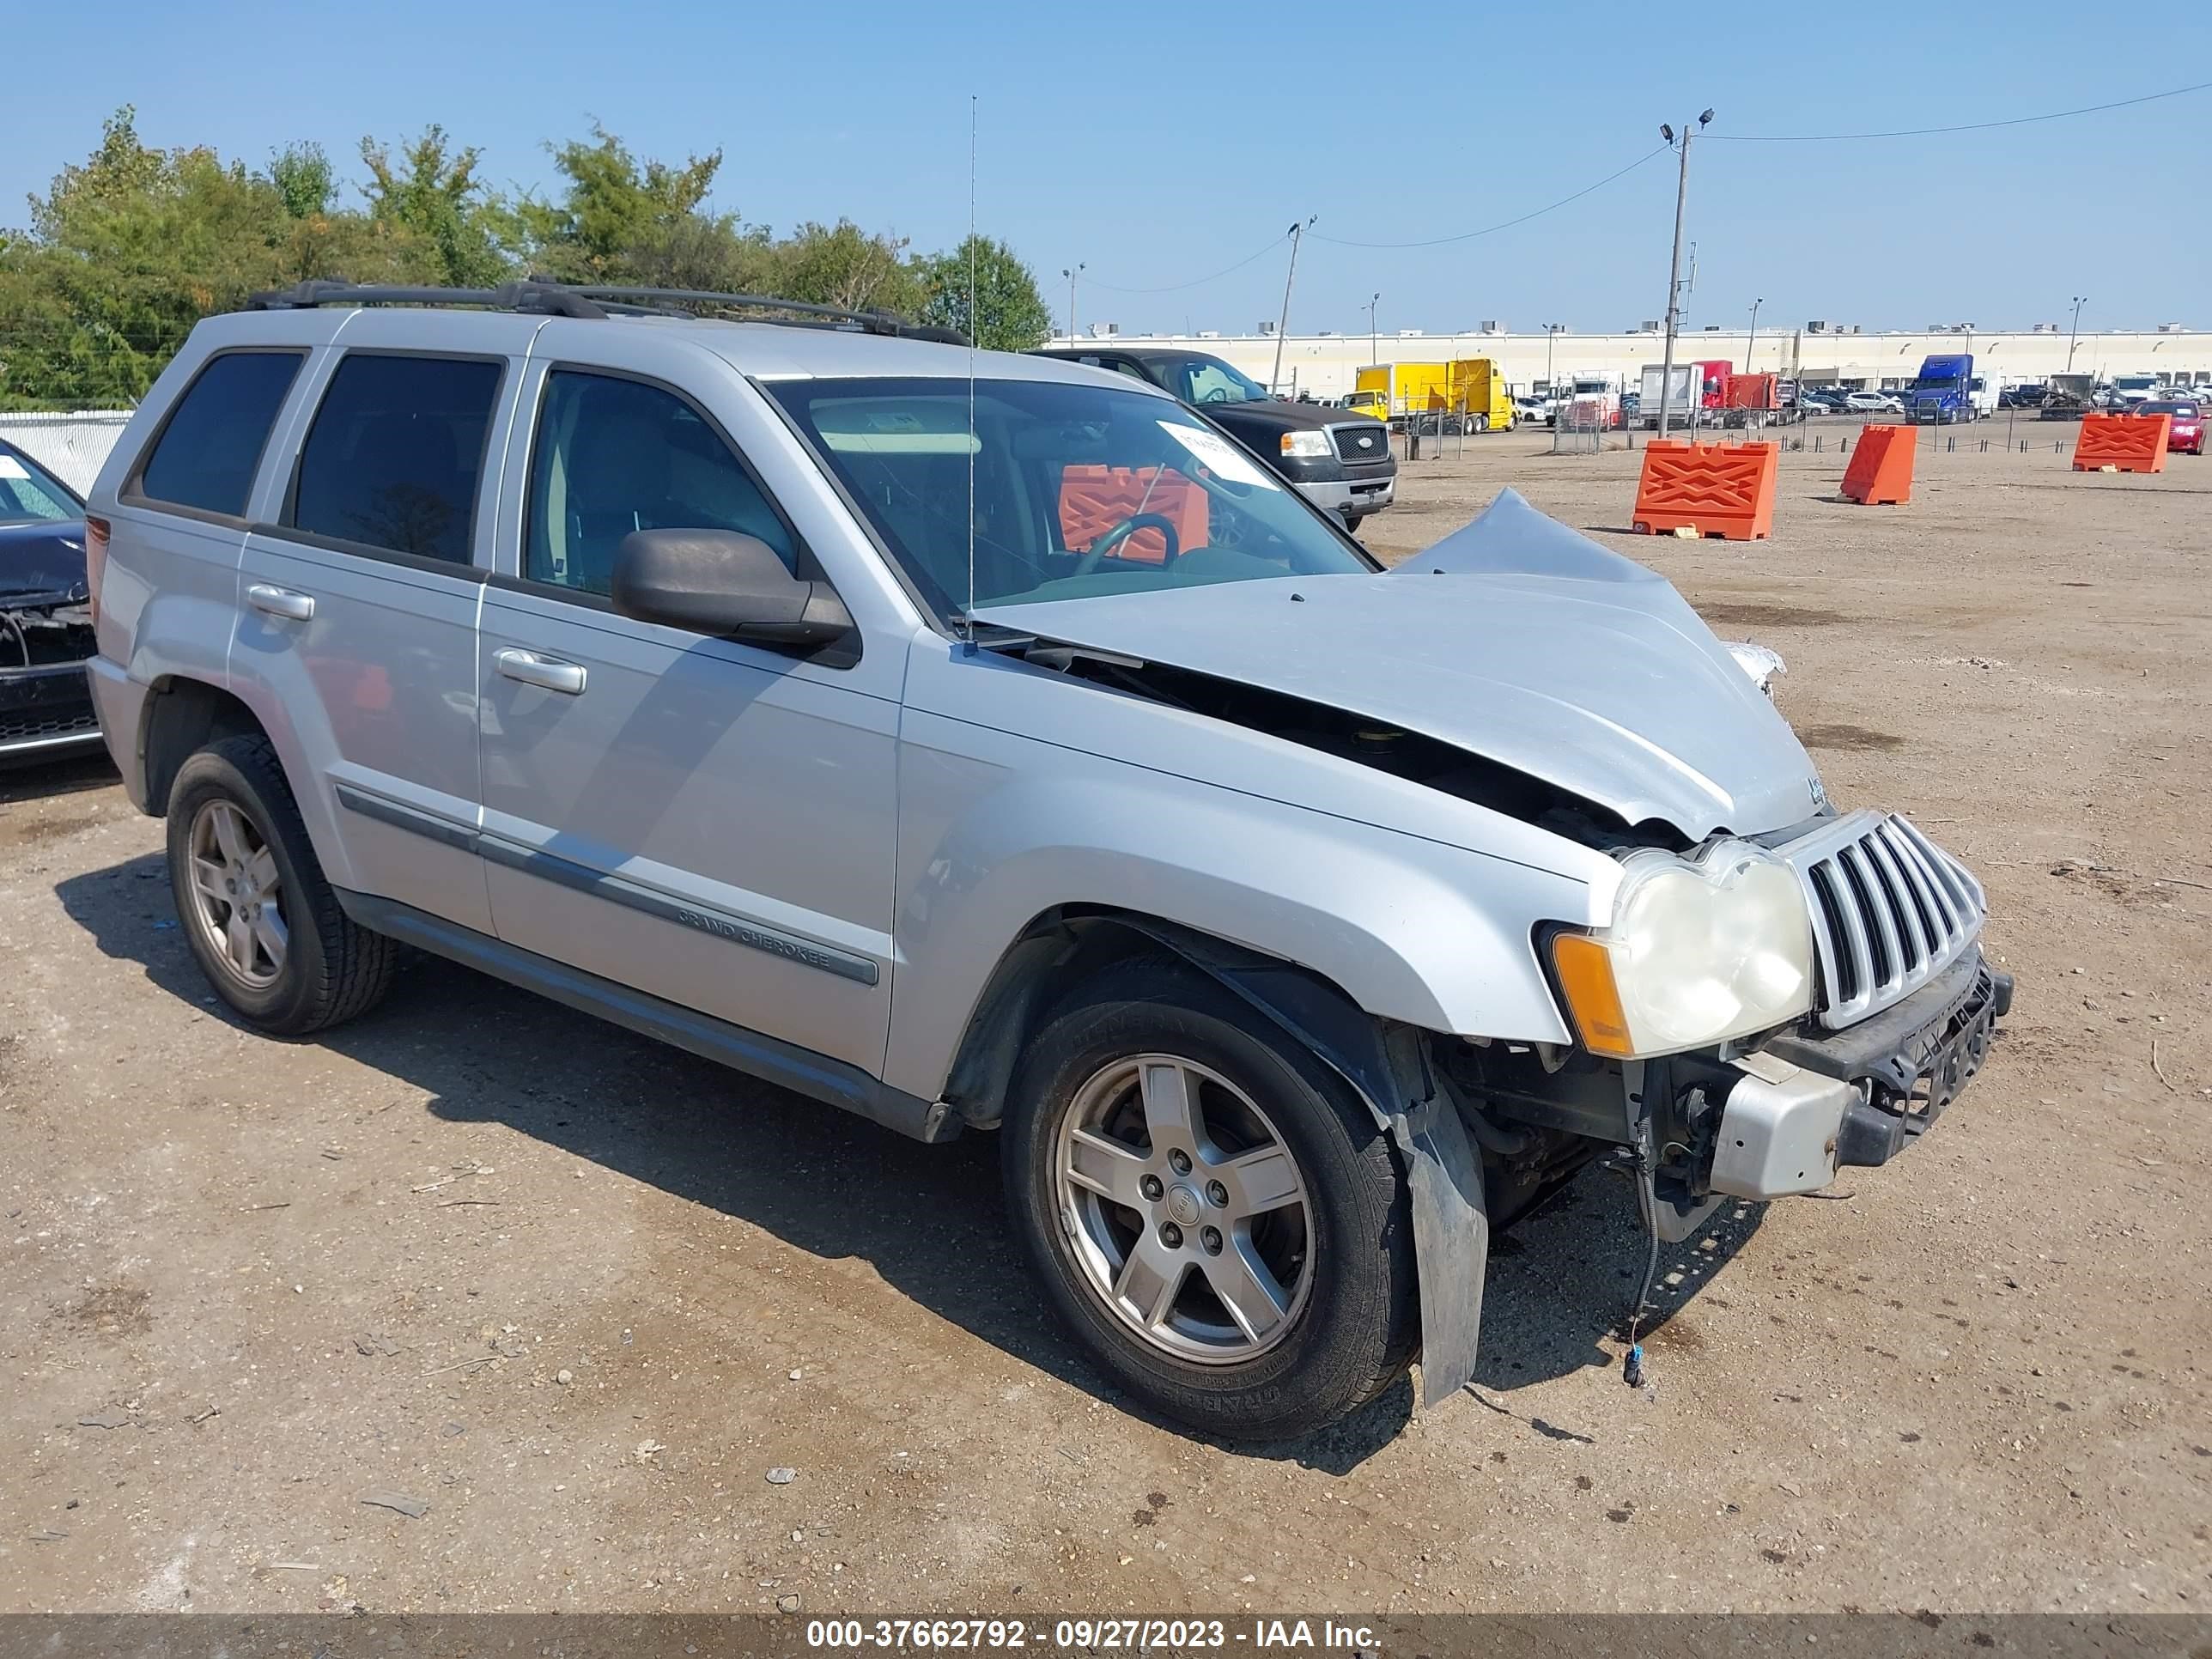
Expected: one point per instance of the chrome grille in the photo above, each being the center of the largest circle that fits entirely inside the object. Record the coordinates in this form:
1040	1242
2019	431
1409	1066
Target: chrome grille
1361	442
1889	911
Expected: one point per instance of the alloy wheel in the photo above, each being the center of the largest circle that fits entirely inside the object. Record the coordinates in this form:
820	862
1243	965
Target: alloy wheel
236	899
1185	1207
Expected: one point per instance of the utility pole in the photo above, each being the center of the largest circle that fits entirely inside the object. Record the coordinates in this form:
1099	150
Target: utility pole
2080	299
1550	339
1296	234
1071	274
1374	348
1674	268
1750	339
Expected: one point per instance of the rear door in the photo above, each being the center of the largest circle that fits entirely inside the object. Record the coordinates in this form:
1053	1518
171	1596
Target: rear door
359	597
708	821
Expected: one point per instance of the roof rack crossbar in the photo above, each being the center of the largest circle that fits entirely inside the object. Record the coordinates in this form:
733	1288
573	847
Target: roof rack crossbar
876	322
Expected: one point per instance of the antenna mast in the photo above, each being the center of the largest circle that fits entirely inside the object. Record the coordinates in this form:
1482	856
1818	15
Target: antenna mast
968	613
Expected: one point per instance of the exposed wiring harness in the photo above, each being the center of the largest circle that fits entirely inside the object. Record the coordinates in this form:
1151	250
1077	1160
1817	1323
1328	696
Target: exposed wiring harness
1647	1201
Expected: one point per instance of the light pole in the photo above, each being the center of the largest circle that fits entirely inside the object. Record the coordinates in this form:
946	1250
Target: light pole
1374	349
1674	270
1296	234
1753	336
2080	299
1550	339
1071	274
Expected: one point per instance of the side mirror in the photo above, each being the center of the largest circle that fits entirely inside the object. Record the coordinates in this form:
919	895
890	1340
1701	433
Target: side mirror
722	582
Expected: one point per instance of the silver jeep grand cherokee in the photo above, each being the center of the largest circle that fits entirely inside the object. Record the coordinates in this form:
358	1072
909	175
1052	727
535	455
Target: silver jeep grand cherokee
972	740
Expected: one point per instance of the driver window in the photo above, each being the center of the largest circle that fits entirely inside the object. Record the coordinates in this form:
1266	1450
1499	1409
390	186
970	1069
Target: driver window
1210	383
615	455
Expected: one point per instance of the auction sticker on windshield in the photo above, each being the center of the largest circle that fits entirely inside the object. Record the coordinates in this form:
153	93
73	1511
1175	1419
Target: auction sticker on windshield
1217	452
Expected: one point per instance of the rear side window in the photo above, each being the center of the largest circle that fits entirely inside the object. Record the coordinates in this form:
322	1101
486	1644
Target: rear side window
395	453
211	445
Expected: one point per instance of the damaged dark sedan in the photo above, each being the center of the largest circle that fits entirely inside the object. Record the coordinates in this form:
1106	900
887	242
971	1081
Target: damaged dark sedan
45	618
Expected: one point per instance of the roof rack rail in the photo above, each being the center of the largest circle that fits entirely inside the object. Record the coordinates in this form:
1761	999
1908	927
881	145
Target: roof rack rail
596	301
536	296
869	321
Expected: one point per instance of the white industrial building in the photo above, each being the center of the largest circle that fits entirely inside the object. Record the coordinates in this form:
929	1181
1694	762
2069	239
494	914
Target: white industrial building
1821	353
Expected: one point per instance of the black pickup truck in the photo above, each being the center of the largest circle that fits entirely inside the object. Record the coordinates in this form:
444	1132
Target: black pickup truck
1335	459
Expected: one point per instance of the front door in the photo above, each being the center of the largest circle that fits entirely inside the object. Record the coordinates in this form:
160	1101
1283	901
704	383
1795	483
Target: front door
709	822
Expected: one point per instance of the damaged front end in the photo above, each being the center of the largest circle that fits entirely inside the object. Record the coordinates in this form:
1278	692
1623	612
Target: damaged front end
46	704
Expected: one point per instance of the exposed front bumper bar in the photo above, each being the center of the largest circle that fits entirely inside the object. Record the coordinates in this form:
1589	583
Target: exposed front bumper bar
1804	1107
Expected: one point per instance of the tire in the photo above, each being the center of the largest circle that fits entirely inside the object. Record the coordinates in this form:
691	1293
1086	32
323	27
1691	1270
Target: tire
1482	424
316	967
1339	1256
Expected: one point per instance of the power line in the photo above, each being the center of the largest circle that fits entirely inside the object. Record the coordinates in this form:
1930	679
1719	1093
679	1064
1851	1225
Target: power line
1196	282
1929	132
1488	230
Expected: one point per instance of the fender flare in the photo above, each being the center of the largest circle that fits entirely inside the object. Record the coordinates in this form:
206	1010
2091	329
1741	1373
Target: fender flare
1387	1066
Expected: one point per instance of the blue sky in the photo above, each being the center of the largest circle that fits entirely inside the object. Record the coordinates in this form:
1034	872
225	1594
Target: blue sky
1159	143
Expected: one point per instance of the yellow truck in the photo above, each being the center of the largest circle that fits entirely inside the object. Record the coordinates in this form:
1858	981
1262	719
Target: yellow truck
1466	395
1391	391
1475	391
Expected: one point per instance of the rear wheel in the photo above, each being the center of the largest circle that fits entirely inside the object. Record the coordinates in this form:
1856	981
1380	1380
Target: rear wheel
262	922
1213	1212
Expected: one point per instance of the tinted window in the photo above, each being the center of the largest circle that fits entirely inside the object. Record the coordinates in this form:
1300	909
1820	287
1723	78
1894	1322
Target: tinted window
393	458
209	447
613	456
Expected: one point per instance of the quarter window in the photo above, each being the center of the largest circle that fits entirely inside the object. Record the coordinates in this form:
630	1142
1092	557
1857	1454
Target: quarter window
615	455
211	445
393	459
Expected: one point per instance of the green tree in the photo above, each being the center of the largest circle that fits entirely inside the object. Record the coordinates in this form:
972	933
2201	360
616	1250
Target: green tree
301	176
127	250
614	213
432	191
842	264
1009	314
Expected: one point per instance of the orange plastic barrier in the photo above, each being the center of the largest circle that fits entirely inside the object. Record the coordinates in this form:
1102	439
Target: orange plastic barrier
2126	443
1881	472
1094	499
1715	489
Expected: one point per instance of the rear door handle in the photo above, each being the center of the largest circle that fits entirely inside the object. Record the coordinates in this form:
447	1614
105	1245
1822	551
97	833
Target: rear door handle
548	673
280	602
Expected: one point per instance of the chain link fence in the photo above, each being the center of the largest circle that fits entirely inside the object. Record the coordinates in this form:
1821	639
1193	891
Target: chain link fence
73	447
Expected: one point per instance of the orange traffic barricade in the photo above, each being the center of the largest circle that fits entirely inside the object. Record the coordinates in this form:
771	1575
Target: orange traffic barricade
1712	489
1881	472
1094	499
2125	443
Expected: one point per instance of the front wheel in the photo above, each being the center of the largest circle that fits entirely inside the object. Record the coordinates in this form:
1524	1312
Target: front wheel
1213	1210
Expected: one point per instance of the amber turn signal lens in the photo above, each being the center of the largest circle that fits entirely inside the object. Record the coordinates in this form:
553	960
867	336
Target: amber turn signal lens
1585	969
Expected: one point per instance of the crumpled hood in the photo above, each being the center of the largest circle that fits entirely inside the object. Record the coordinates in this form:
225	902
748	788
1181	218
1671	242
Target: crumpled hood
1603	682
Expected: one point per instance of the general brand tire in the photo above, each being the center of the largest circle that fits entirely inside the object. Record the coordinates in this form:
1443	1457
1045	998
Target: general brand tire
330	967
1352	1323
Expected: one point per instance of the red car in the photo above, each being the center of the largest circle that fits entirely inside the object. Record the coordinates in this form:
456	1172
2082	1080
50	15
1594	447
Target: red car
2185	436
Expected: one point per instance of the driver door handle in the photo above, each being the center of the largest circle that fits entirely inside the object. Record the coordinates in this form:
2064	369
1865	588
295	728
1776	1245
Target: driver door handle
548	673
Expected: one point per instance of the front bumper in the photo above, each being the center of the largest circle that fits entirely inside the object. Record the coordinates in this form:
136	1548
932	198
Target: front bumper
46	711
1804	1107
1353	497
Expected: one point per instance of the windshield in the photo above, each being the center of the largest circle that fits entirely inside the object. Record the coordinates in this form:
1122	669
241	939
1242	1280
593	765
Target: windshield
2137	382
1947	382
30	494
1078	490
2184	411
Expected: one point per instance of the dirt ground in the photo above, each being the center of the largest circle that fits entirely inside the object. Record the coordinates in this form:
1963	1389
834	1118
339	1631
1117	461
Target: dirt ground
576	1295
